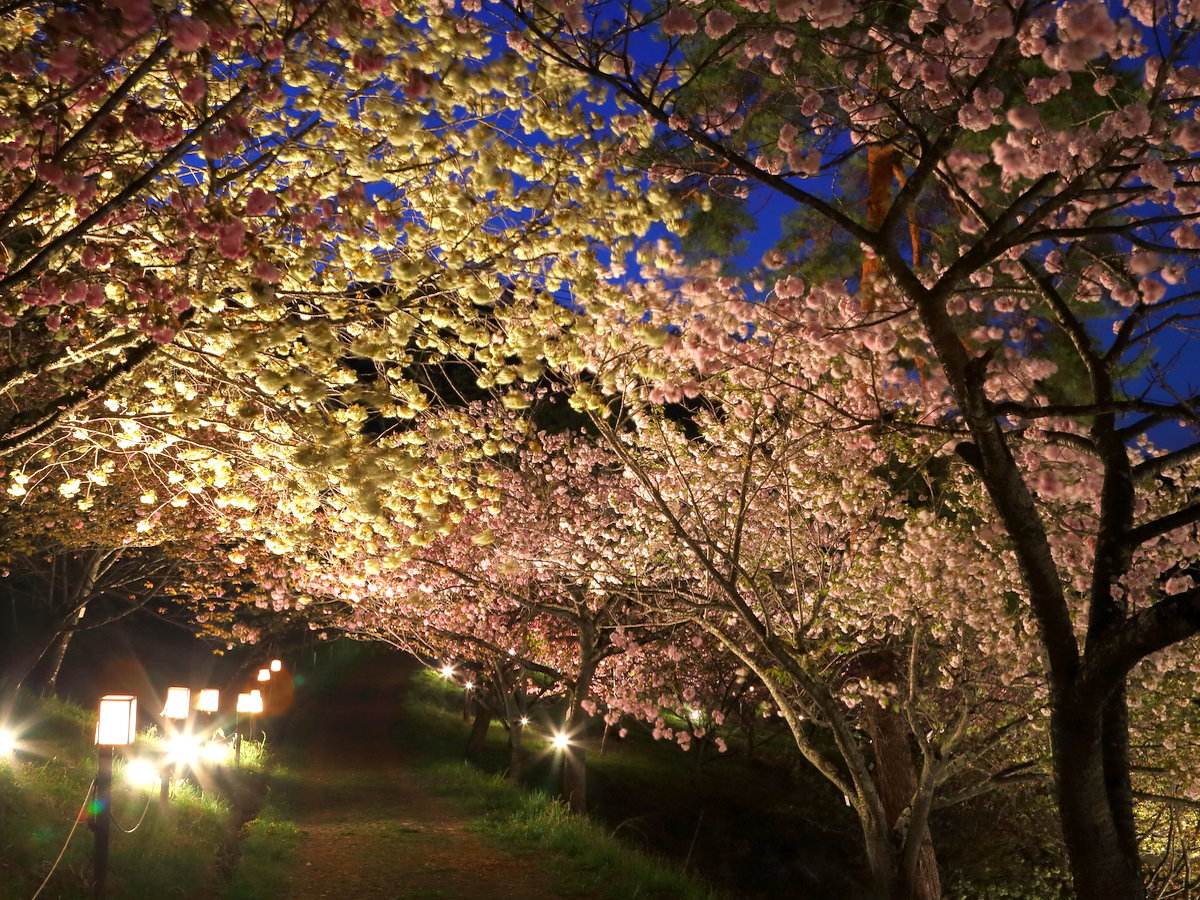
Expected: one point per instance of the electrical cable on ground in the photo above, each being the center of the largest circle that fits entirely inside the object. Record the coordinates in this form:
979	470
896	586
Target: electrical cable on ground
113	818
67	842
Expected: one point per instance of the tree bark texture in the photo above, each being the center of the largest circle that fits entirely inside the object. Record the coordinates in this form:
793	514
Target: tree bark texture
1102	867
479	728
896	780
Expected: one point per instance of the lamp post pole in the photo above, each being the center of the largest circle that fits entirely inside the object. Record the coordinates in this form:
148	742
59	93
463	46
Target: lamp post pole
176	710
100	821
116	726
164	789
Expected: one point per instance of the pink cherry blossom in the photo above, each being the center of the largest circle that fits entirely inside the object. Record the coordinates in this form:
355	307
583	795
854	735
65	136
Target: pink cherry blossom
266	271
231	239
259	202
679	22
719	23
194	91
188	34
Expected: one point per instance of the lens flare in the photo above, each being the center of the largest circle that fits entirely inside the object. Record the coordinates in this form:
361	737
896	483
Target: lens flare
183	749
141	773
216	753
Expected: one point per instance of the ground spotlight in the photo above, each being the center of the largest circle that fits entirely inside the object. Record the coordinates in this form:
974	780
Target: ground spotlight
183	749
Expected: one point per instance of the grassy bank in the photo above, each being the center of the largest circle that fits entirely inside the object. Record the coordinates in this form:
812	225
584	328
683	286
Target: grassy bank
585	856
44	789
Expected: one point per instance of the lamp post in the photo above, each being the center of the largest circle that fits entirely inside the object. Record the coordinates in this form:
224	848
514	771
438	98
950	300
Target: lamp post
116	727
251	703
175	709
208	701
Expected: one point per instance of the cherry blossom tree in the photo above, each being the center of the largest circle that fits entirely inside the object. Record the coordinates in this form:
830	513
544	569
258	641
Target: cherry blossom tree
222	193
530	581
238	238
235	239
801	555
1061	135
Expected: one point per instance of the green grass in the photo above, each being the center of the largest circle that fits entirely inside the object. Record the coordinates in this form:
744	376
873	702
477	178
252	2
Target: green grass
753	824
585	857
170	854
269	852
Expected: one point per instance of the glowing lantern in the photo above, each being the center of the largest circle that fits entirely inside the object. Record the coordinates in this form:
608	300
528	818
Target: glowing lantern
276	665
264	674
118	720
250	703
177	703
208	700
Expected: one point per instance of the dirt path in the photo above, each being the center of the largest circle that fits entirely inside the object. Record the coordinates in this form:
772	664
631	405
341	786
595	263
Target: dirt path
372	830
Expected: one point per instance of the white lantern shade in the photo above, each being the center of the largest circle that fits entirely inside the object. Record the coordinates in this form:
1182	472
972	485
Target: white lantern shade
264	674
250	703
208	700
117	725
276	665
178	699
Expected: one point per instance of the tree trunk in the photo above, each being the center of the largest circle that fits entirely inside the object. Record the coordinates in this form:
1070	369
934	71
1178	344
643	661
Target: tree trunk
60	651
881	166
896	780
515	762
883	862
56	660
574	765
479	730
574	778
512	689
1102	866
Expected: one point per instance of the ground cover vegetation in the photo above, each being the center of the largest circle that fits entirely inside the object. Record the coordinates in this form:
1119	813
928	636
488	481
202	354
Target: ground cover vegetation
45	844
405	318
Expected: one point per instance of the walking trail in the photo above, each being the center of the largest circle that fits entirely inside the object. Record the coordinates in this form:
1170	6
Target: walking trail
372	830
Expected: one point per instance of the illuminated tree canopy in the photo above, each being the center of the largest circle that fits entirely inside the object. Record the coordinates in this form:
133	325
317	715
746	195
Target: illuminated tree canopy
392	311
